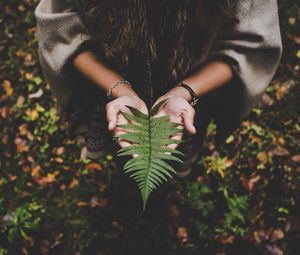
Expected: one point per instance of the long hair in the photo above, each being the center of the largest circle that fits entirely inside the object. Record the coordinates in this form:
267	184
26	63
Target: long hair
177	32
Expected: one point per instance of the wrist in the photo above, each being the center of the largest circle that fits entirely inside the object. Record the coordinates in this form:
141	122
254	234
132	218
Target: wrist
123	90
180	92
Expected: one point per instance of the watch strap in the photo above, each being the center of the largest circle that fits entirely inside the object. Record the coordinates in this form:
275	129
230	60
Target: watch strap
191	91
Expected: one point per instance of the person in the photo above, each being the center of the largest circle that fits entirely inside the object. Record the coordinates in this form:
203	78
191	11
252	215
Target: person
99	56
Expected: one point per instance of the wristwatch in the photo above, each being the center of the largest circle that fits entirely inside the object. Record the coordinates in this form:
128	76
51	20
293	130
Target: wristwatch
191	91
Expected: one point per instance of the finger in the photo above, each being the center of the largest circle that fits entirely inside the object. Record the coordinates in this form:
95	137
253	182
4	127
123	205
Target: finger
111	115
175	137
118	131
188	119
123	143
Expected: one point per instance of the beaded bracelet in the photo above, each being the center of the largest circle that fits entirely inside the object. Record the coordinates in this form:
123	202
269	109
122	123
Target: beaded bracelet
109	92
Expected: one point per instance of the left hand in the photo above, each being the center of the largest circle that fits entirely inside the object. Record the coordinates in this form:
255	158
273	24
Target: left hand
179	110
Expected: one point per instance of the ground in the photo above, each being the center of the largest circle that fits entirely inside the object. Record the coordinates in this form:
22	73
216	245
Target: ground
241	199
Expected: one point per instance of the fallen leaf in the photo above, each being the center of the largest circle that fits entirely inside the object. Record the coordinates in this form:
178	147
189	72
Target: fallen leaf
228	240
12	177
36	171
94	166
173	210
277	234
82	203
274	249
32	114
37	94
23	128
7	88
74	183
280	151
21	145
263	157
296	158
182	234
57	160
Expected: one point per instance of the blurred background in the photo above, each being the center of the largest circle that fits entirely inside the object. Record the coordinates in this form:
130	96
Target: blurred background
243	199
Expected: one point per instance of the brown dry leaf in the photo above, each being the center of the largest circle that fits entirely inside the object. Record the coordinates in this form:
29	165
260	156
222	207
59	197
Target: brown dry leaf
20	53
4	140
28	57
94	166
36	172
274	249
26	169
252	181
281	90
49	178
281	140
21	145
98	202
249	183
174	211
12	177
29	76
182	234
59	151
267	100
296	158
23	128
228	240
4	112
57	160
263	157
74	183
82	203
280	151
259	236
227	162
255	139
277	234
294	38
7	88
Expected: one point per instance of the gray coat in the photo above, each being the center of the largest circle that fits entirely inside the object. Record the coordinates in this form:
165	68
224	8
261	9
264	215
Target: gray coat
253	46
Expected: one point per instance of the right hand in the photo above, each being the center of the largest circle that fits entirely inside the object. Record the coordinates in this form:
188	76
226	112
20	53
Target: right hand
114	116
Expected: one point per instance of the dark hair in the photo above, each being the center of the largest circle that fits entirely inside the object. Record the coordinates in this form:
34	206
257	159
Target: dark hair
184	28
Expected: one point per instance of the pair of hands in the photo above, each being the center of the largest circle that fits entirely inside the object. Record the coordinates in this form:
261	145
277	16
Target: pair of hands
177	108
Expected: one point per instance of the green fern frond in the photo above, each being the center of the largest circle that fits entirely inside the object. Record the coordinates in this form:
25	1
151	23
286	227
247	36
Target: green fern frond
148	136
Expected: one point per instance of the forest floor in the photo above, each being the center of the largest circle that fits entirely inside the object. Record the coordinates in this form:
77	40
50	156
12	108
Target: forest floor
243	199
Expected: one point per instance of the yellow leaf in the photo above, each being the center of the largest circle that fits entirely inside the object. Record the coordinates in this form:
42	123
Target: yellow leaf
292	21
230	139
39	108
298	54
32	114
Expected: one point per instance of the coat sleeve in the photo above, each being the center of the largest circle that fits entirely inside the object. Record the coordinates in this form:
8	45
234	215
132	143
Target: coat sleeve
253	48
60	36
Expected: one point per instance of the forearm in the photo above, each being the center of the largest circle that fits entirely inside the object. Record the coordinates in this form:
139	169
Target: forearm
103	76
209	77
